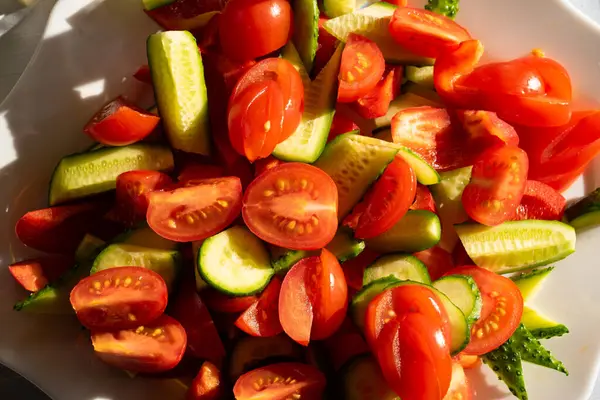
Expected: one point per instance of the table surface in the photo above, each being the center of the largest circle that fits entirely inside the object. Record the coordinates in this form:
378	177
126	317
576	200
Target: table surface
20	44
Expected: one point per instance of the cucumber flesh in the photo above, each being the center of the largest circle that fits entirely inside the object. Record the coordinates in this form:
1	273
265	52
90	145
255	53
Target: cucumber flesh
531	350
416	231
517	245
235	262
464	293
540	326
284	259
363	297
401	266
308	141
166	263
146	237
420	75
585	221
363	380
290	53
306	30
180	90
86	174
529	283
505	361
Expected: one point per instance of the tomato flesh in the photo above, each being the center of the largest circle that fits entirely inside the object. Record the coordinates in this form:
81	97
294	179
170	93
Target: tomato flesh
540	201
361	68
133	188
459	385
423	199
34	274
265	164
262	317
377	102
293	205
207	384
119	298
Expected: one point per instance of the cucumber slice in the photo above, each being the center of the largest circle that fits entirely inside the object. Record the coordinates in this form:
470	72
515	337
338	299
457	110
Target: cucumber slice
343	245
88	249
401	266
417	230
505	361
146	237
166	263
540	326
290	53
464	293
517	245
531	350
308	141
586	212
152	4
306	30
180	90
284	259
448	199
84	174
420	75
361	300
363	380
235	262
529	283
372	22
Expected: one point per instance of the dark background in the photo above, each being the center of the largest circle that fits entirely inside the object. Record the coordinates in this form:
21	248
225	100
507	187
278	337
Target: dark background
15	387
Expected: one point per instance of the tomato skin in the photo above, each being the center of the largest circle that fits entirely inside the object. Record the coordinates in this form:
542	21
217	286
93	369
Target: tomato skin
249	29
220	302
139	350
498	293
34	274
275	204
262	318
191	174
293	378
361	68
340	125
437	260
207	384
354	269
295	308
377	102
423	199
184	14
133	188
497	185
119	123
540	201
425	33
175	214
143	74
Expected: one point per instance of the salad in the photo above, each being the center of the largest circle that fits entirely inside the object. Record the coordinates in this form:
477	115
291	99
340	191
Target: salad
328	200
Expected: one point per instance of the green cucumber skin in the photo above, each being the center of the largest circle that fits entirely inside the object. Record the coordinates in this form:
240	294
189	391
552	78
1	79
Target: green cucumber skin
284	262
475	311
531	350
529	283
306	30
548	333
420	75
381	268
505	361
541	327
589	203
586	221
418	230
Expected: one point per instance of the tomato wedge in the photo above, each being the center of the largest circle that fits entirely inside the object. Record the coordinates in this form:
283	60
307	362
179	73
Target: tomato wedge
262	318
459	385
156	346
361	68
119	298
120	122
133	188
501	312
293	205
437	260
34	274
423	199
497	185
377	102
207	385
280	382
424	32
195	212
143	74
341	124
485	129
540	201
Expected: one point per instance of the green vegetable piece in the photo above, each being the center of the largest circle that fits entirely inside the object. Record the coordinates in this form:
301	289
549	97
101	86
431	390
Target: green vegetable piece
505	361
361	300
417	230
283	259
540	326
420	75
152	4
586	212
529	283
533	351
449	8
306	30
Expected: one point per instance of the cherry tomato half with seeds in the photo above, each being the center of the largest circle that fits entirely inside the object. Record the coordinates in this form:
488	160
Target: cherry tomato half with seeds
361	68
133	188
207	385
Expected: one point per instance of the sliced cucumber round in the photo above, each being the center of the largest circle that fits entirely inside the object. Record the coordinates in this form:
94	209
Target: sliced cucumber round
361	300
363	380
235	262
417	230
463	292
400	266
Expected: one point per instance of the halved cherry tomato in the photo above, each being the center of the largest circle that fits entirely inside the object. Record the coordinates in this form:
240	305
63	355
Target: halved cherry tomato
341	124
280	382
220	302
354	269
325	48
313	298
119	123
293	206
423	199
414	357
540	201
34	274
195	212
262	318
388	201
143	74
497	185
264	164
287	77
361	68
501	312
119	298
133	188
156	346
376	103
185	14
207	385
437	260
459	385
250	29
192	174
59	230
424	32
467	361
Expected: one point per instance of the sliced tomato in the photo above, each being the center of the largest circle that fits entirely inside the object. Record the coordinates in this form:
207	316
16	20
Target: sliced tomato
35	273
156	346
249	29
354	269
207	385
119	298
289	81
387	201
437	260
415	358
377	102
459	385
467	361
361	68
313	298
195	212
133	188
120	122
262	318
280	382
265	164
424	32
540	201
341	124
185	14
143	74
497	185
293	206
220	302
485	129
423	199
501	312
59	230
203	340
192	174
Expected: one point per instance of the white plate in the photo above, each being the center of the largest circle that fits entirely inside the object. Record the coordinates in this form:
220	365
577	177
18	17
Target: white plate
89	47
